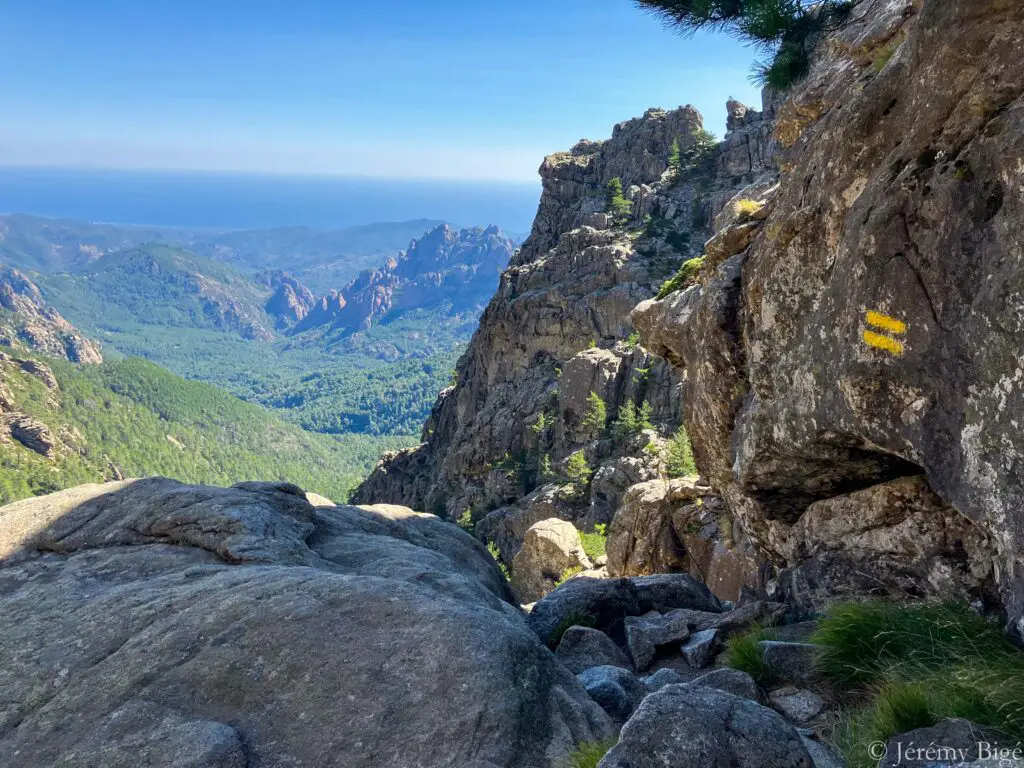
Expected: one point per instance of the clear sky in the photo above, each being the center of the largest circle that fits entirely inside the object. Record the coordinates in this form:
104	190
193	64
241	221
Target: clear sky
406	88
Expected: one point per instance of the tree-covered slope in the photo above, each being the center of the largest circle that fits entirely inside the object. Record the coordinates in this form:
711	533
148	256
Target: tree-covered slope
131	418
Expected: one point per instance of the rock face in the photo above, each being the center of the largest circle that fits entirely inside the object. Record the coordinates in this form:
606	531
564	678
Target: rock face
865	326
555	331
28	322
454	270
244	626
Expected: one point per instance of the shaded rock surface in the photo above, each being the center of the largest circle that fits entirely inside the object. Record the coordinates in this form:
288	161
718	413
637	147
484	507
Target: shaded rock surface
182	620
688	726
583	647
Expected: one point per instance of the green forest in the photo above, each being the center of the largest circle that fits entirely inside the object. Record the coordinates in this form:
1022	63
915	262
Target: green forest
134	418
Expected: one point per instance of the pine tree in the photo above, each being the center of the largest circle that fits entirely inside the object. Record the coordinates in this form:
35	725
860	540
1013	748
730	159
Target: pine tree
596	417
679	459
627	423
618	205
786	30
675	160
578	471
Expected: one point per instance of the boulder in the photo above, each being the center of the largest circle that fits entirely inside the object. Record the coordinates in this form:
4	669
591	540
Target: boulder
689	726
665	676
607	602
797	705
646	634
792	662
34	435
959	739
699	649
162	621
617	690
551	548
731	681
583	647
507	526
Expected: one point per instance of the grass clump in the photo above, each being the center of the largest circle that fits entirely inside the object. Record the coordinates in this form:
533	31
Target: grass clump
743	653
746	207
679	460
920	664
568	573
684	278
588	754
595	543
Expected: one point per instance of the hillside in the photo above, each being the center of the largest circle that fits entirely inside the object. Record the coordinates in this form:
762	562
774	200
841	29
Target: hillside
374	366
29	322
130	418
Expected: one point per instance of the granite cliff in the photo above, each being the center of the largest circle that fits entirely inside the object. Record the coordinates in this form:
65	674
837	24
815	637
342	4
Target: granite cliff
844	356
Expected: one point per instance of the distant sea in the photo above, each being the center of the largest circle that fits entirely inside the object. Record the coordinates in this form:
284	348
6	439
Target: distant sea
254	201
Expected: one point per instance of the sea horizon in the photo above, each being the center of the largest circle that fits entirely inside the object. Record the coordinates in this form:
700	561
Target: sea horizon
229	200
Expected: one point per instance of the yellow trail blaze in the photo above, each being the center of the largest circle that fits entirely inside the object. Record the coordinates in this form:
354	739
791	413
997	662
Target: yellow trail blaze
879	341
886	323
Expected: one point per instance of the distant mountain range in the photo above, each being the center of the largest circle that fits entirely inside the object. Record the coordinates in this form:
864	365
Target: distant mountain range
247	311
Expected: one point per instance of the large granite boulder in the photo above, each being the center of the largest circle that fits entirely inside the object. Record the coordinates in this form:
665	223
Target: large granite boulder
693	726
217	628
551	550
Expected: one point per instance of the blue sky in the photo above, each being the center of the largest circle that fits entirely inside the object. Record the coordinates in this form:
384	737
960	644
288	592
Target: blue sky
394	88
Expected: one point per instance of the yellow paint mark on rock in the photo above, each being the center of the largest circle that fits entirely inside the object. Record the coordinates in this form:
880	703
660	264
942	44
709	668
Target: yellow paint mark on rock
886	323
879	341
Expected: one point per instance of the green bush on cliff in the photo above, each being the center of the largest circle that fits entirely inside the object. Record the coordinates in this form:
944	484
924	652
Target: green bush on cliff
786	30
631	420
684	278
578	471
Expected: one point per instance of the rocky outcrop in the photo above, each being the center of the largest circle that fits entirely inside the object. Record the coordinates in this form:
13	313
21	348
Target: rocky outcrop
28	322
865	325
455	271
187	625
558	329
290	301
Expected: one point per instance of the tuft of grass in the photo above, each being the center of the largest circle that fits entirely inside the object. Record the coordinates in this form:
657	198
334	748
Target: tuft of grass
588	754
595	543
865	642
919	664
685	277
572	619
743	653
746	207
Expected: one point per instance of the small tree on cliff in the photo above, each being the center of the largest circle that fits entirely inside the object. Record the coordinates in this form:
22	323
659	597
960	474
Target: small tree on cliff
618	205
786	30
596	417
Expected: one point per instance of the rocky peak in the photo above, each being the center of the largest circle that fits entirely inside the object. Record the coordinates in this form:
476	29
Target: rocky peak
290	301
574	182
457	269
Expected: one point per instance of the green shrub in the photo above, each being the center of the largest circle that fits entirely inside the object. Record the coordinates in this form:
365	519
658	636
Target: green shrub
596	417
632	341
743	653
568	573
578	471
466	522
746	207
595	543
588	754
684	278
679	455
618	205
496	554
